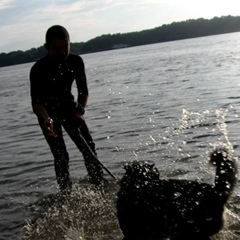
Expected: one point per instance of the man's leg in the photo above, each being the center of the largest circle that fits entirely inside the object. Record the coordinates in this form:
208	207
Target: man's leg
83	140
61	157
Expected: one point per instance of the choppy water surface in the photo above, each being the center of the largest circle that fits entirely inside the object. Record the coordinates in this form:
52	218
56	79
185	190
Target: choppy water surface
170	103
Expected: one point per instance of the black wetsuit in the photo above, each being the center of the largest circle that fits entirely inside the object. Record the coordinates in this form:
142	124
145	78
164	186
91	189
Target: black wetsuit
51	85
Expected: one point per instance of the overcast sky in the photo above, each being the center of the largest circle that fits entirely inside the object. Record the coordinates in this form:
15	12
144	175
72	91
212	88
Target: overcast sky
23	23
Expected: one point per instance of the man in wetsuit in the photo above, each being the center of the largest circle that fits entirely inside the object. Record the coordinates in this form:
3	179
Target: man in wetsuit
51	80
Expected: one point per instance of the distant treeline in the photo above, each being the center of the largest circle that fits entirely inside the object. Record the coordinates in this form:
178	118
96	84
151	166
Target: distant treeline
167	32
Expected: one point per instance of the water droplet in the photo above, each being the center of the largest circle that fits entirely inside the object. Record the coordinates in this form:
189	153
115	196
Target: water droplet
177	194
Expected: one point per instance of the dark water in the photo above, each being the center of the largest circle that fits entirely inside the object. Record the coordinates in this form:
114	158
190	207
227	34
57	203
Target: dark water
170	103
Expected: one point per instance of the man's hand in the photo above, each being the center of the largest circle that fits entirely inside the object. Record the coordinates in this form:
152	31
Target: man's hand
48	127
79	114
42	114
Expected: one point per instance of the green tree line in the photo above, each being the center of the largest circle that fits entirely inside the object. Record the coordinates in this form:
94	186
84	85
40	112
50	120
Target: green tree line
167	32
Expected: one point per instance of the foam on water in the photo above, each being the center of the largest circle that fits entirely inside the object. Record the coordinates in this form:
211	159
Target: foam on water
87	213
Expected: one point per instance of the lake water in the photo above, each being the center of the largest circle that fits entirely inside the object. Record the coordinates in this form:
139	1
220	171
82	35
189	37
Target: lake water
169	102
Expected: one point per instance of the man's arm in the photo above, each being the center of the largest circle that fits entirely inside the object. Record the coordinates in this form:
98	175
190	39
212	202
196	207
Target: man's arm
81	82
82	100
42	114
40	111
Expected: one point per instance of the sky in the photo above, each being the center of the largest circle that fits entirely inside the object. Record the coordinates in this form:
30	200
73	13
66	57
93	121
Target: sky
23	23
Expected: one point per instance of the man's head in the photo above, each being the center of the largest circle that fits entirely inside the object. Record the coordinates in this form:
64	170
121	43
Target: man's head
57	43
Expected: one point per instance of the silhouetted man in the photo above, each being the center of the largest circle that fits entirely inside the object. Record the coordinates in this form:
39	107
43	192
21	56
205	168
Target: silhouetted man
51	80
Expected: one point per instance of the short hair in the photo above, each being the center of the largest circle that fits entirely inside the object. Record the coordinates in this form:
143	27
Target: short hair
56	32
